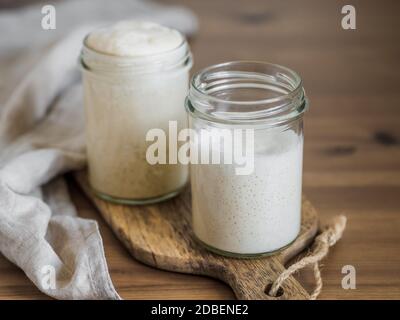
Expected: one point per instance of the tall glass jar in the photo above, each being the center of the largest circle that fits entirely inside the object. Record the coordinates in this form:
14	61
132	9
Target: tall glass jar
259	212
124	98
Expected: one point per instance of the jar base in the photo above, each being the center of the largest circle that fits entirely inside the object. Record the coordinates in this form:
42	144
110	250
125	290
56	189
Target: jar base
132	202
229	254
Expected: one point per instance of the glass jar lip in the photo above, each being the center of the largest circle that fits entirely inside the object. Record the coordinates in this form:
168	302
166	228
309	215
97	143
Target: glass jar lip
208	69
165	60
282	108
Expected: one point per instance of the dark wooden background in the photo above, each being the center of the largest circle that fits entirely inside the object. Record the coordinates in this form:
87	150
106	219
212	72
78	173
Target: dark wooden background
352	150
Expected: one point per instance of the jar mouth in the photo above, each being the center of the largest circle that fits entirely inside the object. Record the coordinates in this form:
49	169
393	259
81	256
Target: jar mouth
96	61
247	91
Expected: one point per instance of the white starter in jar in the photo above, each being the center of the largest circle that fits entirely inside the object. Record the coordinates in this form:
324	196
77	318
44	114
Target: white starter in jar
258	212
135	79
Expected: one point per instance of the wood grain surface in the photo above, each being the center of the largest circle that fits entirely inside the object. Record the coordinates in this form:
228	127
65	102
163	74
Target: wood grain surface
352	139
160	235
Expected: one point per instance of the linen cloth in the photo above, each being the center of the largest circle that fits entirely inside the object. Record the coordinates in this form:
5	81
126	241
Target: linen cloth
42	137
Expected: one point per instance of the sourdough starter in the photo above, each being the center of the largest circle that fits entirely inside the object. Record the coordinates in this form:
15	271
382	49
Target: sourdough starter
251	214
122	105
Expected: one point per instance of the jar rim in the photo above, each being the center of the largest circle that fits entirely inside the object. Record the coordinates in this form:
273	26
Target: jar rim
211	91
94	60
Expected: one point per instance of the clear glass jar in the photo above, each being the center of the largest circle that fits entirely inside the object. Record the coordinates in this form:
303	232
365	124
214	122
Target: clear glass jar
248	215
124	98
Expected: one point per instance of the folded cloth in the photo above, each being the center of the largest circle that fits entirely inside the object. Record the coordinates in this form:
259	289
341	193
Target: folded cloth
42	137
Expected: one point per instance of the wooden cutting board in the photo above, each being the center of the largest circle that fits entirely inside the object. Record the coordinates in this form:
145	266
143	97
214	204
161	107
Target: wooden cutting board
160	235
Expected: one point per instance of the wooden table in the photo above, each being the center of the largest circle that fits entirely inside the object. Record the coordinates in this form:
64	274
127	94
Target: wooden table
352	150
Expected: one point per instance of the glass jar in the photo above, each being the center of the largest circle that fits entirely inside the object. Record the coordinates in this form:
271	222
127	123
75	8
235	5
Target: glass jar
259	212
124	98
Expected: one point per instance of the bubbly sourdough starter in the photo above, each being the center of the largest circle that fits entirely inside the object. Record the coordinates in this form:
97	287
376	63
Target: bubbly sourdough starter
121	109
134	39
251	214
